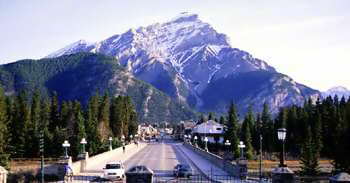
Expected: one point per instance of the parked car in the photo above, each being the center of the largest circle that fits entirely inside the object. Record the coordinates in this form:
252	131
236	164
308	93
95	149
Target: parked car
139	174
183	170
114	170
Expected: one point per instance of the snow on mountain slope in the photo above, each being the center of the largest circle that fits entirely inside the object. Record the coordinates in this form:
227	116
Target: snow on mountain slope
180	57
339	91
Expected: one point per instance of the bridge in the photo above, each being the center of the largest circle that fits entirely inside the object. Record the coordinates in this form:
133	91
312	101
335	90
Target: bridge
161	157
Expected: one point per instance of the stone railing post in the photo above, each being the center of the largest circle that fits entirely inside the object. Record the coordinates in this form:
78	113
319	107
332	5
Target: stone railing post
84	162
3	175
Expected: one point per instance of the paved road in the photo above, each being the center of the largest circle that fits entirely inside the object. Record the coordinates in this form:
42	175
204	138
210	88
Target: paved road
162	157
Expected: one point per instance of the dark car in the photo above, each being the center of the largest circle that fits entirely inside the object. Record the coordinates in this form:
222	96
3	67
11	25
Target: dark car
182	170
139	174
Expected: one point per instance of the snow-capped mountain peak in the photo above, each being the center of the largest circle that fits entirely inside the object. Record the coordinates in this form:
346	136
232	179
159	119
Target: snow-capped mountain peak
75	47
180	57
340	91
185	17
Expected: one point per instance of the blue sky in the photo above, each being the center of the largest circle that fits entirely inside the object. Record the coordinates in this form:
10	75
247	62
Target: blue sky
305	39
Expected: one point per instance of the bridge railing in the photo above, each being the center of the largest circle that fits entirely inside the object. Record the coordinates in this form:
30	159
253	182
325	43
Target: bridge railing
230	167
88	162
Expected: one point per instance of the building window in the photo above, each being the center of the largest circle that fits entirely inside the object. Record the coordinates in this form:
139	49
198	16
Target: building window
218	128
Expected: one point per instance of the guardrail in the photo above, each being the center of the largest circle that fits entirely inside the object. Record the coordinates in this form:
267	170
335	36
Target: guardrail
81	165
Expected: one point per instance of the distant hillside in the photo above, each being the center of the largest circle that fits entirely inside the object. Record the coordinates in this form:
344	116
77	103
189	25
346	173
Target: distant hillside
82	75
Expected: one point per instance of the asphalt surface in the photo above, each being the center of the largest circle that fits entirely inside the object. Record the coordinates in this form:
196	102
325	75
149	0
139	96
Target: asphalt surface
161	157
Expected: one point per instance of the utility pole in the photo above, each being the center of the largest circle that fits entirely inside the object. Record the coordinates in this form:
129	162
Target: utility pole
41	146
260	159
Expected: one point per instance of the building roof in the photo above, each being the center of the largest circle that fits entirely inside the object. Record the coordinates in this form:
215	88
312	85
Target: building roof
209	127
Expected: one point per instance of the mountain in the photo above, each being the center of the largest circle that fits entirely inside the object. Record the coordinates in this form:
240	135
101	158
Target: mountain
79	76
186	58
339	91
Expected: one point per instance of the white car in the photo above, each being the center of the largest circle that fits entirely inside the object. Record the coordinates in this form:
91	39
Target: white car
114	170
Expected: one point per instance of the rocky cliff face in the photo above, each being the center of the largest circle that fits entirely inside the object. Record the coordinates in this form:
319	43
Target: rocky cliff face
185	57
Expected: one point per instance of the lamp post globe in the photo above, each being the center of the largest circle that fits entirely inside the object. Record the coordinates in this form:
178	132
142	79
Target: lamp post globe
281	134
206	143
123	139
227	145
195	140
83	142
241	146
110	143
282	173
66	144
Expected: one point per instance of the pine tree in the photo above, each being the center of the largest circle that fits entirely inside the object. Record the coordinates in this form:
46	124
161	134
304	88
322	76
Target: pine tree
201	119
116	122
4	134
34	128
232	129
291	126
79	129
318	133
133	123
246	133
103	118
222	120
49	147
210	116
267	129
309	156
125	117
20	125
54	113
93	136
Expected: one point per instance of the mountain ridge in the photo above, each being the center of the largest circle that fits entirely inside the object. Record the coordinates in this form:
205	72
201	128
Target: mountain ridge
82	75
340	91
182	57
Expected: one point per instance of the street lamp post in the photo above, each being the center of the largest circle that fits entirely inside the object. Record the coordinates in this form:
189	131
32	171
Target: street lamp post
227	145
83	142
206	143
195	140
123	139
241	146
281	133
66	145
110	143
227	149
282	173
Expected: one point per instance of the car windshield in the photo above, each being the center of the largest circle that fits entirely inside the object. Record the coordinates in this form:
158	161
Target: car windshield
184	168
113	166
181	166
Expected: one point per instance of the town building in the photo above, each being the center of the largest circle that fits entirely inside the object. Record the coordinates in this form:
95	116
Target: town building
212	130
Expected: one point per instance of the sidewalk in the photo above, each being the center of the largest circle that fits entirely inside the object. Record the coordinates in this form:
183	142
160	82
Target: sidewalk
95	168
211	171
